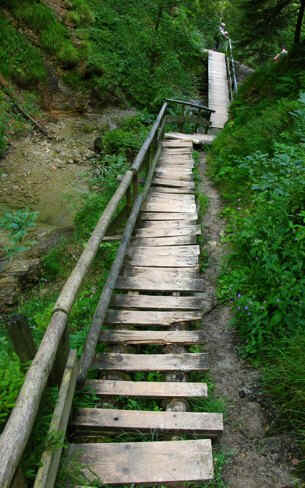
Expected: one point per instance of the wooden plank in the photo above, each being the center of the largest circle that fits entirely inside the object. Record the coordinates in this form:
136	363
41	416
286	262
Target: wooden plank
155	196
146	462
163	205
121	336
168	174
155	302
167	189
218	88
170	231
150	389
151	317
203	423
173	182
168	216
165	241
158	279
177	143
164	256
195	138
152	362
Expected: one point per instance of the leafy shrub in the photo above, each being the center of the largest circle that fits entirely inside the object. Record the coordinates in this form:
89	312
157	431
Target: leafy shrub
68	55
11	379
18	223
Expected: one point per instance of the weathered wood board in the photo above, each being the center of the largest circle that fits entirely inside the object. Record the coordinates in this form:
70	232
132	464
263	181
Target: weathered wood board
168	216
195	138
164	205
151	317
210	424
160	462
165	241
155	302
162	280
164	256
152	362
167	189
173	182
170	231
161	337
148	389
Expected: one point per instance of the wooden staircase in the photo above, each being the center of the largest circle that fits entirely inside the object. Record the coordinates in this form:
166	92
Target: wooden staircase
159	290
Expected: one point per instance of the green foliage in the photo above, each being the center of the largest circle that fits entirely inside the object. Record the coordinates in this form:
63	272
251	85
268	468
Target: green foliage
261	174
11	379
19	59
128	138
18	223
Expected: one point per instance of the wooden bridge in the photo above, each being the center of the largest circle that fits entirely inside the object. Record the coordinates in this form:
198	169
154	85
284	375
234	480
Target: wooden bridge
148	314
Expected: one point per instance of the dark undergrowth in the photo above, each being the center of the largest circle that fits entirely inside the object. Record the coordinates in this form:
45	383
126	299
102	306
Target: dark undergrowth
258	163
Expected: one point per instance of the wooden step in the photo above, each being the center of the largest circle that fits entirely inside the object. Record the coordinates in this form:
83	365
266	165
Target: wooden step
169	216
121	336
168	174
146	462
173	182
167	189
207	424
151	317
165	241
195	138
164	256
170	229
152	362
160	279
177	143
148	389
154	302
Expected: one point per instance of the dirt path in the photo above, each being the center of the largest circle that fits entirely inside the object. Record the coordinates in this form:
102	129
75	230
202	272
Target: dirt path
256	460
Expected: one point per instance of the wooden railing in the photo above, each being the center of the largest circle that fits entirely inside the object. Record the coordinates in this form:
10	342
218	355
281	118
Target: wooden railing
54	357
202	110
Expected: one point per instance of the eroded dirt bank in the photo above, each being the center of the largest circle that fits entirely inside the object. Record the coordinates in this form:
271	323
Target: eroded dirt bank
256	458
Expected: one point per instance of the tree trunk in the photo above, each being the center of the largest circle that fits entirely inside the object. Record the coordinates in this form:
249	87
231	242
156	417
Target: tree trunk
298	27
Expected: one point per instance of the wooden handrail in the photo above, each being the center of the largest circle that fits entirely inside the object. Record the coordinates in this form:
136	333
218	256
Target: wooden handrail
102	307
145	147
20	423
19	426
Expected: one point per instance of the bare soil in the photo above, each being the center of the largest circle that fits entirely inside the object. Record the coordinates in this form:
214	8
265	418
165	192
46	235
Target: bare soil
256	458
50	175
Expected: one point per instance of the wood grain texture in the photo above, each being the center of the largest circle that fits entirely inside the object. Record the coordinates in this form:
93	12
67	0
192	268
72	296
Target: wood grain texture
146	462
169	216
121	336
148	389
155	302
165	241
152	362
173	182
170	230
168	189
150	318
195	138
158	279
164	256
210	424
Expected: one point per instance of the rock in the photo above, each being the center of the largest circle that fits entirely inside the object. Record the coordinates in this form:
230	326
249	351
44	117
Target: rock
9	290
21	268
98	145
48	239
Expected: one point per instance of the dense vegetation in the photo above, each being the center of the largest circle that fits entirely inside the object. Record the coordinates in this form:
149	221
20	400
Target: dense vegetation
258	163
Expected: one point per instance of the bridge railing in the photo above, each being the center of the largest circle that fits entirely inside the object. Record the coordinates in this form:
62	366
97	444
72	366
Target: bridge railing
54	359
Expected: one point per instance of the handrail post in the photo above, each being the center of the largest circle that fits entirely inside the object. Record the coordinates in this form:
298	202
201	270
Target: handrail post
60	360
21	337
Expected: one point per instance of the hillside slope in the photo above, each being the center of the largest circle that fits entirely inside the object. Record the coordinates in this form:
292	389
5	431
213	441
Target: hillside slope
258	162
